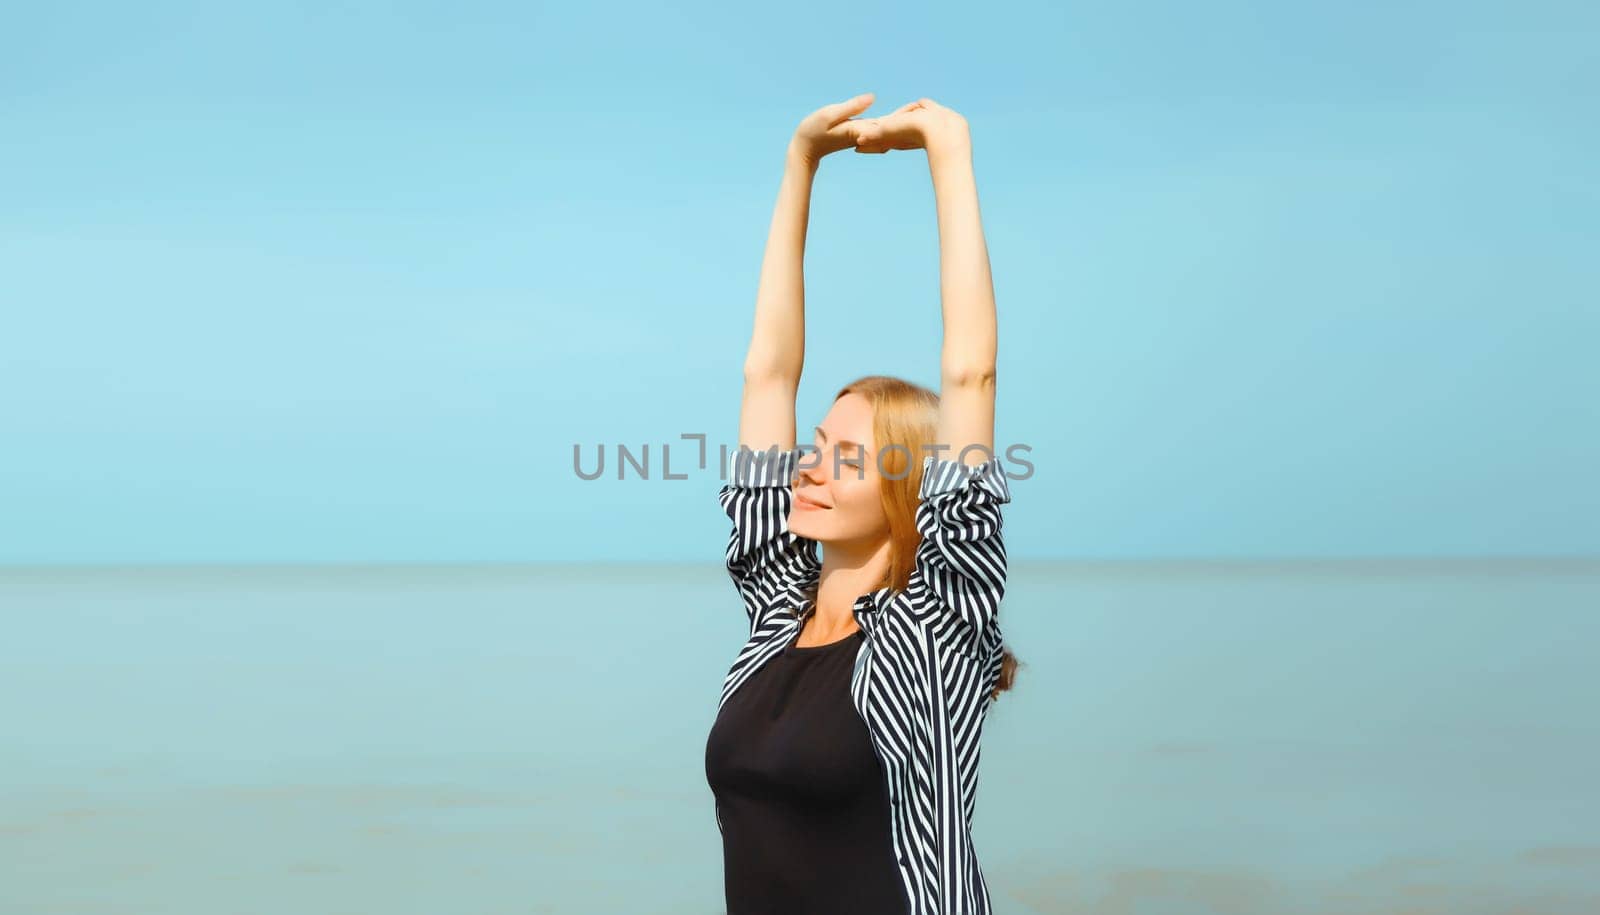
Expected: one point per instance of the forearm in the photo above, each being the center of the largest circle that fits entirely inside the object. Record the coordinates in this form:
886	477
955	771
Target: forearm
966	288
777	344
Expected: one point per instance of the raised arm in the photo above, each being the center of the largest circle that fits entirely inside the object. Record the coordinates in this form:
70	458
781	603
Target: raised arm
776	356
768	563
966	289
959	576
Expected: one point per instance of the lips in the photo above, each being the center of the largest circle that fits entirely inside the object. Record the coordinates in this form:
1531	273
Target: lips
811	503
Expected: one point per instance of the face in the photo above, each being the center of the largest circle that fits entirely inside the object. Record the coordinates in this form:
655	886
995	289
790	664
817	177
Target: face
840	506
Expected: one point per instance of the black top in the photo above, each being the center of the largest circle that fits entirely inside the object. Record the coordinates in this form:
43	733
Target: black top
800	793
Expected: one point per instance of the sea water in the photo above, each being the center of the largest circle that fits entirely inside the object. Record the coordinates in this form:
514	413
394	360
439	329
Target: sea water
1273	738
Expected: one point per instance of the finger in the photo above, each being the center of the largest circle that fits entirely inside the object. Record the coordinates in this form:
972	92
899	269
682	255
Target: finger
863	130
848	107
848	132
873	142
889	130
899	120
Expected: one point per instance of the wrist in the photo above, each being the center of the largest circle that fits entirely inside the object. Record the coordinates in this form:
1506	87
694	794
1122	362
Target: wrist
799	158
949	144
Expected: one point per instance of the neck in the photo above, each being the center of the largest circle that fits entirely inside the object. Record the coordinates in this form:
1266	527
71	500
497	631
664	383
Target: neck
848	571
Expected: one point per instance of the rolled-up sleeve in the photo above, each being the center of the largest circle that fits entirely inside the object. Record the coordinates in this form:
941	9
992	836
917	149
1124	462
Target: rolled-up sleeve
960	569
764	558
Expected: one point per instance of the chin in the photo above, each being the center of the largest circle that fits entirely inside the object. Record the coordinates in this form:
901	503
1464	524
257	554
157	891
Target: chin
803	526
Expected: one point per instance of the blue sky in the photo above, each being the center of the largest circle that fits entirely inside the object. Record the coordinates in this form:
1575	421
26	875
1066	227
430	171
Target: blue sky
289	282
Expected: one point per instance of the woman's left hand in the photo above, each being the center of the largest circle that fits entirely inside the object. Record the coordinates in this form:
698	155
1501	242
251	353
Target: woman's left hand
922	124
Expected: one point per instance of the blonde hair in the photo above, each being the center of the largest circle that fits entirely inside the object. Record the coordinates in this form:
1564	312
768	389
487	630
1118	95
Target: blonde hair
905	419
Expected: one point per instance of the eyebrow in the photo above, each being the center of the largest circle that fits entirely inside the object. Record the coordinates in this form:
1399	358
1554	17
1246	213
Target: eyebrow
843	441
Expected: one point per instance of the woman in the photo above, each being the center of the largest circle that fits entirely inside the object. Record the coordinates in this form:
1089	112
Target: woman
845	750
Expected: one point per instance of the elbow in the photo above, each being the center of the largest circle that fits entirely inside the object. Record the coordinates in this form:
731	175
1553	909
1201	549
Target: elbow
771	375
976	376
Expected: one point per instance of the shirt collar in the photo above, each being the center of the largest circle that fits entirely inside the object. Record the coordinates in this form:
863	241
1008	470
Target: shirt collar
868	608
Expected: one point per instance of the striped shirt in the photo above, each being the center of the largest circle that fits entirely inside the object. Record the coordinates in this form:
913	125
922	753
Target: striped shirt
924	675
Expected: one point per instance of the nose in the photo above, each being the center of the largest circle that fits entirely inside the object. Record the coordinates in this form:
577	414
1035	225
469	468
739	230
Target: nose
809	470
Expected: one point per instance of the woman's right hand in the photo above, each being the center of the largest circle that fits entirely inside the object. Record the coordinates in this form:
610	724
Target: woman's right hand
830	129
